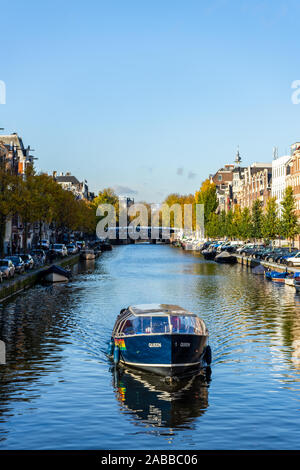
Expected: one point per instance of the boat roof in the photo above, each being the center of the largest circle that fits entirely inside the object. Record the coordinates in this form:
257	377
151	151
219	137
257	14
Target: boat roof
153	310
170	309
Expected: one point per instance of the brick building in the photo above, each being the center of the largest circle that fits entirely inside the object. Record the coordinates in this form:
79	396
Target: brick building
16	157
70	183
293	174
253	182
223	181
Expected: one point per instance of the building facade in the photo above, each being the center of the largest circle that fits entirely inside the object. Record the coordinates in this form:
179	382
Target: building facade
70	183
293	174
223	182
16	158
254	182
279	179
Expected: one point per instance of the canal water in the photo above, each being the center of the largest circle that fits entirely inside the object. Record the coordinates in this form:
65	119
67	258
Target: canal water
59	391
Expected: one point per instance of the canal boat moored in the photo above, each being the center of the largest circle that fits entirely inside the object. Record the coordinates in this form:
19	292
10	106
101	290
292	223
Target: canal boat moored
56	274
276	276
160	338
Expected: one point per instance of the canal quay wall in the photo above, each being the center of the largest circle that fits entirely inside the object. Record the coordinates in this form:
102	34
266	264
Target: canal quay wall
252	262
23	282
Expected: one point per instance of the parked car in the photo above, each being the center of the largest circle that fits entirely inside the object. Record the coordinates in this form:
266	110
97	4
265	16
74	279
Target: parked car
80	244
294	261
72	249
39	255
7	268
244	249
45	244
28	261
290	254
60	249
18	263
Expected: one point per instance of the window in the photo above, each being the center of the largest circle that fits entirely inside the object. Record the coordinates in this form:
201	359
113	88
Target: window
160	325
145	325
185	324
138	325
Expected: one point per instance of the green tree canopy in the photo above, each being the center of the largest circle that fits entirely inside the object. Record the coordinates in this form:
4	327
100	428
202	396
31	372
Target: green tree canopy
256	219
270	221
207	195
289	226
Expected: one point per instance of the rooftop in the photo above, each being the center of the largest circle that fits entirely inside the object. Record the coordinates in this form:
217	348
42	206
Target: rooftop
67	179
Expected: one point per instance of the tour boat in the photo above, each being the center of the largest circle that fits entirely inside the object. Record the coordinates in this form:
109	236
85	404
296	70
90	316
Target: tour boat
56	274
276	276
160	338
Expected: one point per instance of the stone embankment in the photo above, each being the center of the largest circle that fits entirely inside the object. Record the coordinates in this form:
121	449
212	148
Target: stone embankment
252	262
30	278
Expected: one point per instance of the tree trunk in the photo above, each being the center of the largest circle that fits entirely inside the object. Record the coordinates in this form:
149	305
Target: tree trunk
40	232
25	236
2	234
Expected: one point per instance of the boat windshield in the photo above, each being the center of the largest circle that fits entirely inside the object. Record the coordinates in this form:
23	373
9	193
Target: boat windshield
135	325
186	324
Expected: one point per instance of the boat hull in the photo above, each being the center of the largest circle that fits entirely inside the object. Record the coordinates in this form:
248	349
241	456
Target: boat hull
209	254
276	276
164	354
226	260
54	277
56	274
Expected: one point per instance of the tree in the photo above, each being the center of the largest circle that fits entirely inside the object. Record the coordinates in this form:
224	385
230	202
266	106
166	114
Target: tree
270	222
8	182
245	227
44	199
229	229
256	219
234	229
213	225
179	215
107	196
24	200
289	226
208	197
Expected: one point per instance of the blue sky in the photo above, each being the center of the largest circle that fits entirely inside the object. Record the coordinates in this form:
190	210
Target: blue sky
150	96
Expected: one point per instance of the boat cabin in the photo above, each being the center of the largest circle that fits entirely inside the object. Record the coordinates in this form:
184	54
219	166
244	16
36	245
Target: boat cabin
156	319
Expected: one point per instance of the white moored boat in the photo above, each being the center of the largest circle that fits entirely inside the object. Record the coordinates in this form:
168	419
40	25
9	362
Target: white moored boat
293	281
56	274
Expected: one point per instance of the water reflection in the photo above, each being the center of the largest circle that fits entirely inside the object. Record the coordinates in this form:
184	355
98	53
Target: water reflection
35	327
158	403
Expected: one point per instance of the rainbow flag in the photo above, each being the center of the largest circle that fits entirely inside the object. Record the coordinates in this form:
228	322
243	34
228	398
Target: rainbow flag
121	344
